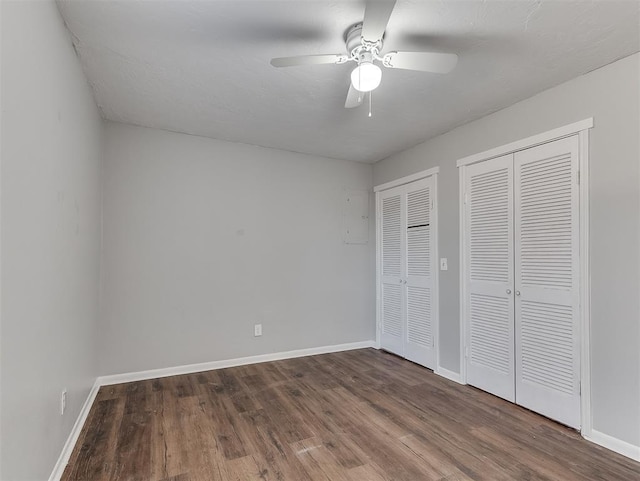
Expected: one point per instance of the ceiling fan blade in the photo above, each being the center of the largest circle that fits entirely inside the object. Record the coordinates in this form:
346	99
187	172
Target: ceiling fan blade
308	60
422	61
354	98
376	18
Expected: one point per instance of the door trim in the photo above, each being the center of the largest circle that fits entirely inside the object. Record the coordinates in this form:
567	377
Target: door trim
580	128
534	140
433	172
585	284
407	180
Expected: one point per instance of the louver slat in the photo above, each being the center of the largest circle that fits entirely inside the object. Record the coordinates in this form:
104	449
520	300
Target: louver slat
391	308
489	338
489	226
391	230
545	220
547	345
419	233
419	316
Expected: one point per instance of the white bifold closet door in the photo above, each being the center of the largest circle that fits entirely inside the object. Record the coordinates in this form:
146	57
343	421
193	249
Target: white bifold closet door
420	261
522	278
489	276
547	280
392	278
408	259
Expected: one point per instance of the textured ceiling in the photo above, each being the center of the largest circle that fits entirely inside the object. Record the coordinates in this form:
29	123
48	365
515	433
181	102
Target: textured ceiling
202	67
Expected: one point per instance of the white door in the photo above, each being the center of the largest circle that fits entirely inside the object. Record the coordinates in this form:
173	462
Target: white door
392	308
547	280
420	265
489	276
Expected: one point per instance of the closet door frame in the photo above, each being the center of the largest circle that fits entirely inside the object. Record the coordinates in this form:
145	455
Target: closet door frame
433	172
581	129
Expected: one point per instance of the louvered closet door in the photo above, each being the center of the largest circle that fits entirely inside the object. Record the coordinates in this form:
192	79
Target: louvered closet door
489	276
392	288
547	277
420	262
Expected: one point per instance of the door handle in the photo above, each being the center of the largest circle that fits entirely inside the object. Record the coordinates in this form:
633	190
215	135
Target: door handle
517	293
508	291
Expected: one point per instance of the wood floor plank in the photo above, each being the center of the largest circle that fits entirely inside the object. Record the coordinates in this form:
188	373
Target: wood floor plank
318	460
170	446
246	469
160	427
344	451
435	464
180	477
94	454
133	444
223	418
208	449
285	420
277	460
368	472
362	415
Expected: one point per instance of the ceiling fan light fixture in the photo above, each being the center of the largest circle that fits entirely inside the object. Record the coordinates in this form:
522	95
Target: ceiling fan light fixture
364	44
366	77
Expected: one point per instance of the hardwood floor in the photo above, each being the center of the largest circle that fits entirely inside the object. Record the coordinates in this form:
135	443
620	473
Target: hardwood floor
354	416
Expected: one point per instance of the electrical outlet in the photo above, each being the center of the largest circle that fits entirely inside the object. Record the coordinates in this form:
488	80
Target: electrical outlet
257	330
443	264
63	402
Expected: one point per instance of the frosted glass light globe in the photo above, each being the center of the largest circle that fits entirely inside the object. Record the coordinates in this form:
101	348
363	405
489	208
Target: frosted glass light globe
366	77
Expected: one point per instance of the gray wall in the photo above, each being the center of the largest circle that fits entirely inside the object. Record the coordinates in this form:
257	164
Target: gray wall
611	96
205	238
50	214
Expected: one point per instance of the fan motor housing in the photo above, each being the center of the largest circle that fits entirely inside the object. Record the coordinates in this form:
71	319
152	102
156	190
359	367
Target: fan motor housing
353	40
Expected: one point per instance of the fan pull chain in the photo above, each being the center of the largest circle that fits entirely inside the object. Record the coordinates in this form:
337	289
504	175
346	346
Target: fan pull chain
370	95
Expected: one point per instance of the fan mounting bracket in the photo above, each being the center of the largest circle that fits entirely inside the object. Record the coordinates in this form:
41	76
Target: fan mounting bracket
387	59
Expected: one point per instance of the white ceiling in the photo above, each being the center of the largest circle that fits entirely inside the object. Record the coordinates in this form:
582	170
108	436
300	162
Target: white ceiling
202	67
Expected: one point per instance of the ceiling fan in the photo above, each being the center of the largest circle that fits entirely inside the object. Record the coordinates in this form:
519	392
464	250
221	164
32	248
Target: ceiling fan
364	44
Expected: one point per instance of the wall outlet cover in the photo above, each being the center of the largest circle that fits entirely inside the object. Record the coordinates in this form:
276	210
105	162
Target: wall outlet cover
257	330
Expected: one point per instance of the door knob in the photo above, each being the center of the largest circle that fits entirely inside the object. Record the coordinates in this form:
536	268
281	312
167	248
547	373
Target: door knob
517	293
508	291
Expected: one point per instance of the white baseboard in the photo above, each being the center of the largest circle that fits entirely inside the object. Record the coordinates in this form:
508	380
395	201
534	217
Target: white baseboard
241	361
614	444
450	375
61	464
